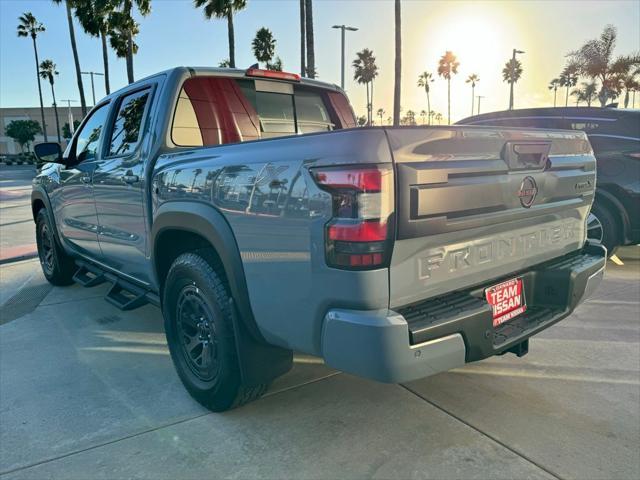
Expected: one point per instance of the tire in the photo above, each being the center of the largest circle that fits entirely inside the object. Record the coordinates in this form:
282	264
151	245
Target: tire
197	319
603	227
57	267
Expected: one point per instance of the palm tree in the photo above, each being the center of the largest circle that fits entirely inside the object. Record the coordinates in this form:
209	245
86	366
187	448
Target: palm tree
439	117
264	46
432	114
595	60
410	117
74	48
381	113
424	80
423	114
626	80
123	29
30	27
448	66
588	92
398	64
568	78
473	79
365	71
48	72
94	18
512	72
303	39
223	9
553	85
311	51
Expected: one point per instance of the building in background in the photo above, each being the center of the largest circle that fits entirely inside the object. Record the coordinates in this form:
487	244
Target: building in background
8	146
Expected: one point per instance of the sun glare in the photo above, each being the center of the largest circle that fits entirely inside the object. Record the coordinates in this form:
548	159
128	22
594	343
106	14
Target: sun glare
476	41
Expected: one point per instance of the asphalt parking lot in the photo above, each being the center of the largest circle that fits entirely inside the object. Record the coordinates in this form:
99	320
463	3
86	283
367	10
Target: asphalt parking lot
89	391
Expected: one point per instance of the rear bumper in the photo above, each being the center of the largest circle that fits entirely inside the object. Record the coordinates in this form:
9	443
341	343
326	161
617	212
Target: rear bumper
449	331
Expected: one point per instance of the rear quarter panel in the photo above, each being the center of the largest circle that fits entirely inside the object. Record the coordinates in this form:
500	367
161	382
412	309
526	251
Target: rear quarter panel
278	215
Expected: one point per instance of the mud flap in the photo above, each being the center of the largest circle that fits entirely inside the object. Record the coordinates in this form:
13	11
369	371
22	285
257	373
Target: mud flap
260	363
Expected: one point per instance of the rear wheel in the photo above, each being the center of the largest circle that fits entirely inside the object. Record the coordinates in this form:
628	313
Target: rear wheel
57	266
603	227
200	334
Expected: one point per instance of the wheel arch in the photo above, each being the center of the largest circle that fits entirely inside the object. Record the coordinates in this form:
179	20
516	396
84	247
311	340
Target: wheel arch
197	225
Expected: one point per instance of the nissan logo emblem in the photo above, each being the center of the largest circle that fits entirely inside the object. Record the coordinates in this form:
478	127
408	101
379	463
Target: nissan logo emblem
528	191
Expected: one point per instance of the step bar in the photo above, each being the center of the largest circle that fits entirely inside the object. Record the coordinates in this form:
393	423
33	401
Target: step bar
123	294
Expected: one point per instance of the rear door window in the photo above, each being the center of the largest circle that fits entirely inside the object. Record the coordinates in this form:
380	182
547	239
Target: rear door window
125	133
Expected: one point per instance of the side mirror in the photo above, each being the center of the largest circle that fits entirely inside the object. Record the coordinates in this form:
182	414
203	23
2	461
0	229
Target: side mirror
50	152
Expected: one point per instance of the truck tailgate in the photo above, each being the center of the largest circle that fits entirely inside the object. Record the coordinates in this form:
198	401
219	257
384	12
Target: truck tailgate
475	204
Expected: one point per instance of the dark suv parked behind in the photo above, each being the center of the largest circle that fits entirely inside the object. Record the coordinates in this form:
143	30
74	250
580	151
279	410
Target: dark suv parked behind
615	137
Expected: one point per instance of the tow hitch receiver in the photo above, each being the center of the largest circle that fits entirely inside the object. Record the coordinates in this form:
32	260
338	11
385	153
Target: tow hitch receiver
520	349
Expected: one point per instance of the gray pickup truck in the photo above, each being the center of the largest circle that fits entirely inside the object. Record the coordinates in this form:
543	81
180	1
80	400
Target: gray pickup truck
247	206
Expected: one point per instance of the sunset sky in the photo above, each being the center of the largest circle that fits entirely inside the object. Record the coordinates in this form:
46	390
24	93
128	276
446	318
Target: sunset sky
481	33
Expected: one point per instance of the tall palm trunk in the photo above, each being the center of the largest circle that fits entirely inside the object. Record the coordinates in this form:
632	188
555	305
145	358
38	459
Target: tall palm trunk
398	65
105	62
303	40
368	105
555	95
626	98
232	41
55	111
371	106
428	109
449	100
311	52
566	100
44	125
473	88
130	57
76	60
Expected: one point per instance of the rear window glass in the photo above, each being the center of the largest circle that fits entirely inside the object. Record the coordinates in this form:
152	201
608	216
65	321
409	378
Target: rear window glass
213	111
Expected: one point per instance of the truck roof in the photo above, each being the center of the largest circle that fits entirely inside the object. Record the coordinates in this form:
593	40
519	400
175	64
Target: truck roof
225	72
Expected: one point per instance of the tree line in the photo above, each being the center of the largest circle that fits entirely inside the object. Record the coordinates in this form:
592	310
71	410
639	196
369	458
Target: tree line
604	78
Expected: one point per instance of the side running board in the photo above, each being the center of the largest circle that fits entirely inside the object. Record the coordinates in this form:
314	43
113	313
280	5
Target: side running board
122	294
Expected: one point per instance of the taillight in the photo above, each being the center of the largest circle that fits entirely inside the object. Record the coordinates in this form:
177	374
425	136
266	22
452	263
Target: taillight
359	235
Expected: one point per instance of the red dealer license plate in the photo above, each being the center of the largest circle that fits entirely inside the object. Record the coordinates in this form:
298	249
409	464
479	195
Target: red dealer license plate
507	300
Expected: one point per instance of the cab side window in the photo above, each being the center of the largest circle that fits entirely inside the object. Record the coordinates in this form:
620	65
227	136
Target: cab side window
125	134
88	139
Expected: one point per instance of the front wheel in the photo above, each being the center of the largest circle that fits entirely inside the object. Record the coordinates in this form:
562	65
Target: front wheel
200	334
57	267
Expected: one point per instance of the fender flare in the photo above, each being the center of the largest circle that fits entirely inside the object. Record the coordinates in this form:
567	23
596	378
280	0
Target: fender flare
39	193
260	362
206	221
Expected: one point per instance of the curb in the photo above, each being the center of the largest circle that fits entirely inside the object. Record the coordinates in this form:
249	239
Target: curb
26	256
21	252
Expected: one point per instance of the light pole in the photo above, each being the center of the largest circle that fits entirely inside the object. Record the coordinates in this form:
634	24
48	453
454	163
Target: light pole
343	28
93	90
479	97
513	66
71	129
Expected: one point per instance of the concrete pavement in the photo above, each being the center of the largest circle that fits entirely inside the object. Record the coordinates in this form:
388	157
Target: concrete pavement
89	391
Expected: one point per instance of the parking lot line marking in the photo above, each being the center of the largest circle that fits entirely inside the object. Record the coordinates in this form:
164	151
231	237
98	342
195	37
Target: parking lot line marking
491	437
544	376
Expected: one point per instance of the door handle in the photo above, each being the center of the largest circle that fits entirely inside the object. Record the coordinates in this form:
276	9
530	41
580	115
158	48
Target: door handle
128	178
